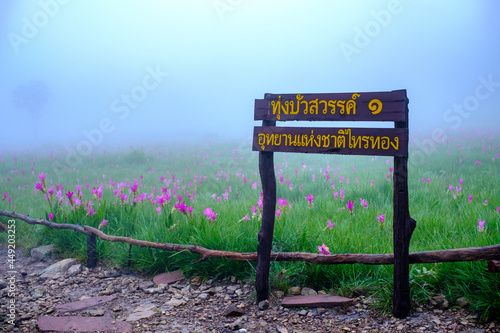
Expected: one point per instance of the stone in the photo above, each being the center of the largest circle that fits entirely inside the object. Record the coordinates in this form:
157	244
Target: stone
82	324
175	302
146	285
280	329
303	313
263	305
58	268
315	301
168	278
96	313
294	290
38	292
236	325
308	291
74	270
44	253
83	304
143	311
233	311
462	302
278	294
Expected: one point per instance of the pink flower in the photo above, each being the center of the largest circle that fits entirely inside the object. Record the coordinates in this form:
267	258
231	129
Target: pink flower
40	187
450	187
158	210
372	183
350	206
381	220
310	199
245	218
330	224
41	177
51	216
102	224
498	210
363	203
460	181
278	213
323	249
486	202
480	225
210	214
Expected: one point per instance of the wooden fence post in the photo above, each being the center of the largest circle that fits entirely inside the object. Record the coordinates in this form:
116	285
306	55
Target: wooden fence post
403	227
91	251
265	237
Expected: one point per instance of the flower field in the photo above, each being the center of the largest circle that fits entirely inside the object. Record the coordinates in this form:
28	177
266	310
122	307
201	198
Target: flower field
209	194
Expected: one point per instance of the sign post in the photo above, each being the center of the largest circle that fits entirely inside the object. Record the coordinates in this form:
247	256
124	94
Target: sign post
370	106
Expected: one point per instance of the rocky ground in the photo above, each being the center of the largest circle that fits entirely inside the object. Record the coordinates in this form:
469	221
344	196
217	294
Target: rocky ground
128	298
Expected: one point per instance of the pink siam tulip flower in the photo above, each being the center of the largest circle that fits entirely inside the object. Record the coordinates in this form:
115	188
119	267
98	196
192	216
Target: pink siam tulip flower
480	225
278	214
254	210
40	187
123	198
323	249
461	181
310	199
41	177
291	186
210	214
486	202
69	195
102	224
372	183
300	188
350	206
330	224
158	210
51	216
5	195
245	218
450	188
336	195
470	198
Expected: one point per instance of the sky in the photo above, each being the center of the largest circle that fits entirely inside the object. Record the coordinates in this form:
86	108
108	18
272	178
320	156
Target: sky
139	71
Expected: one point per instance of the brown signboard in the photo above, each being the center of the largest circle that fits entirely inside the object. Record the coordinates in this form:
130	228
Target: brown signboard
369	106
329	140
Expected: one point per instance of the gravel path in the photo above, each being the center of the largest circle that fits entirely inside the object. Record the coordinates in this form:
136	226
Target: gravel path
196	306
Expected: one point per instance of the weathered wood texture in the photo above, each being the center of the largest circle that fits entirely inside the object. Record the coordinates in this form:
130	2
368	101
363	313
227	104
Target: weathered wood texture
494	266
369	106
484	253
27	219
403	227
265	236
91	251
325	140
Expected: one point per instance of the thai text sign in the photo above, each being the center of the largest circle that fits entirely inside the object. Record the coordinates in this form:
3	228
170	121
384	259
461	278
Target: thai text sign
370	106
324	140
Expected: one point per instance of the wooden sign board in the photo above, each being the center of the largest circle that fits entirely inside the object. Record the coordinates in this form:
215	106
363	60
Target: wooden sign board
328	140
370	106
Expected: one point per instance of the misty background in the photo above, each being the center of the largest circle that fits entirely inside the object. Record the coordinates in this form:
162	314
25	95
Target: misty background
134	71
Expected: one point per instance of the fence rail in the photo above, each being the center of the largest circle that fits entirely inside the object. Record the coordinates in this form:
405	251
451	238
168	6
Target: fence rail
484	253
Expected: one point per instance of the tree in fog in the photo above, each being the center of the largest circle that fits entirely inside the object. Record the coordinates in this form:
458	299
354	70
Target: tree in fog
32	97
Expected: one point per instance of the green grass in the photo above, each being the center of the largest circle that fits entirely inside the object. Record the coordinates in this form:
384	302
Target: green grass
443	222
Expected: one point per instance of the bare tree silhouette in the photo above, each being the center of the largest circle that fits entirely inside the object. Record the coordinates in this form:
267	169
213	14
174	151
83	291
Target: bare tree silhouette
33	97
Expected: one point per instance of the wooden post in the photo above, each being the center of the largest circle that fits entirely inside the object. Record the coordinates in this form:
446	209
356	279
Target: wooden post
91	251
265	237
403	228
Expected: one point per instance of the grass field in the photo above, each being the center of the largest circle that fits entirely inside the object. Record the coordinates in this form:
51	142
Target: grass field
164	193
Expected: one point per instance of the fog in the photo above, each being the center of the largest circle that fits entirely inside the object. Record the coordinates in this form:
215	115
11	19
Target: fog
99	72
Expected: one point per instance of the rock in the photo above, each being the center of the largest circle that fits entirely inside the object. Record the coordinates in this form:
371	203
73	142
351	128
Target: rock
203	296
439	301
196	281
263	305
280	329
57	269
233	311
236	325
82	324
303	313
308	291
278	294
315	301
294	290
74	270
38	292
83	304
169	277
146	285
96	313
462	302
143	311
44	253
175	302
